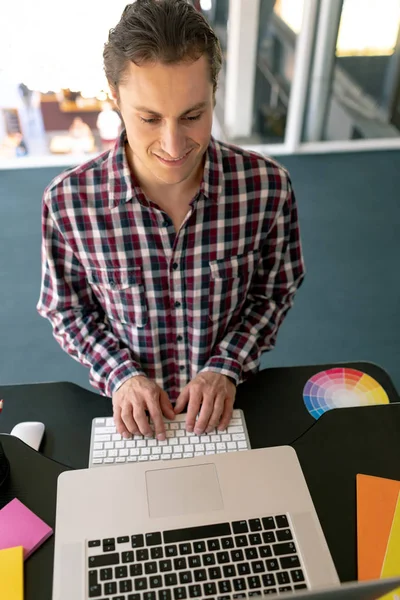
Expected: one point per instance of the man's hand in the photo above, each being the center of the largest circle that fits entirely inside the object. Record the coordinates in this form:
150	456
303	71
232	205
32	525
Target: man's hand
215	394
130	401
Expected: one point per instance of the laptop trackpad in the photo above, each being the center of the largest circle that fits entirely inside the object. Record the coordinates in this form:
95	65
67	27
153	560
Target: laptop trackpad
183	491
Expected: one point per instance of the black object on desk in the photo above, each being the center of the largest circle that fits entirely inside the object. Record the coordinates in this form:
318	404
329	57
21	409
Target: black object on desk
33	480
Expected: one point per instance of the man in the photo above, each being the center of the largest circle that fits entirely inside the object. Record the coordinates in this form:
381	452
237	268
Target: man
170	262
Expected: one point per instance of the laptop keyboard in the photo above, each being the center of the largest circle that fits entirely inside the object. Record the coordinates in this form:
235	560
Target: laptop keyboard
107	447
223	561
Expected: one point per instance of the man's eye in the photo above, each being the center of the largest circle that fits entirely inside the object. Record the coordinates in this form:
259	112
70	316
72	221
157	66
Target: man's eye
154	120
196	118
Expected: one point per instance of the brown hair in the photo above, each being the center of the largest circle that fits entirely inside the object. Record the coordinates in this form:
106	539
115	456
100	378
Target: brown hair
166	31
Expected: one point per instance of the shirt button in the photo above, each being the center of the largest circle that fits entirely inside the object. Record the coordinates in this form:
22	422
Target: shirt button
179	338
182	367
175	266
177	304
112	284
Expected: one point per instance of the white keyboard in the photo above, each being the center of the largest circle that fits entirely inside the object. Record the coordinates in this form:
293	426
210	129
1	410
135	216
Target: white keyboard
107	447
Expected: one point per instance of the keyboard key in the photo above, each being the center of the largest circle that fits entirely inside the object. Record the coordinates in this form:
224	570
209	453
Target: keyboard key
289	562
227	543
272	564
127	557
140	584
258	566
136	570
283	577
164	595
123	539
165	565
185	577
171	550
208	560
282	521
240	527
194	561
93	578
137	541
214	573
103	560
241	541
222	557
200	575
243	569
121	572
131	597
180	563
224	587
180	593
153	539
185	548
255	525
285	588
170	579
268	522
269	537
253	582
156	552
213	545
209	588
94	543
284	535
155	581
199	546
254	539
251	553
194	591
94	591
150	568
268	580
229	570
265	551
284	548
300	586
297	575
150	595
110	588
106	574
237	555
110	548
142	554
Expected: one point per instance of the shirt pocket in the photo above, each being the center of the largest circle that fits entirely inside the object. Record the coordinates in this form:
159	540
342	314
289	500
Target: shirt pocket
229	283
121	293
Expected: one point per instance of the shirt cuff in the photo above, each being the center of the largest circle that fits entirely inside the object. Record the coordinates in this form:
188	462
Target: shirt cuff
119	375
225	366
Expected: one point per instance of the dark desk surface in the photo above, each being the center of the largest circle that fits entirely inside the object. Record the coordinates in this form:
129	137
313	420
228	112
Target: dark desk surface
331	450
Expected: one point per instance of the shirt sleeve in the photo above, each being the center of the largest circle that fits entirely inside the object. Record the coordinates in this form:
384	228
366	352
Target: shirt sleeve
79	324
278	276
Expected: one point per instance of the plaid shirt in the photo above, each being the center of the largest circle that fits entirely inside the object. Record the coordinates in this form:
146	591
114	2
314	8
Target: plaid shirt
127	295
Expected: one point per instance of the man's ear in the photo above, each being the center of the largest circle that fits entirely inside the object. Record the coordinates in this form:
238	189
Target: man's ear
114	95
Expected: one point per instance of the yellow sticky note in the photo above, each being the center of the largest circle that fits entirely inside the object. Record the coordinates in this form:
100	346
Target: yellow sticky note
391	562
12	573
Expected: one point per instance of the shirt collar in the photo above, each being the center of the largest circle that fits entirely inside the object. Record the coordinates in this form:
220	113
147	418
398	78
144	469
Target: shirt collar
122	186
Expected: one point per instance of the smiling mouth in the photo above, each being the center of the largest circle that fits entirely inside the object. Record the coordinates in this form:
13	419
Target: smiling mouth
174	160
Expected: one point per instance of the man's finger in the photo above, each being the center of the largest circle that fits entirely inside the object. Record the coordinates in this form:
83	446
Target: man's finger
142	421
193	409
226	415
119	423
166	406
218	409
182	400
205	414
156	416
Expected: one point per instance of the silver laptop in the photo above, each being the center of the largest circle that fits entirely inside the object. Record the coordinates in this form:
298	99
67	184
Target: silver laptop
222	527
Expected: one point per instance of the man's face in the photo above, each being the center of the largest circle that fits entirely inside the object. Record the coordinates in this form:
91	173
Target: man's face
167	111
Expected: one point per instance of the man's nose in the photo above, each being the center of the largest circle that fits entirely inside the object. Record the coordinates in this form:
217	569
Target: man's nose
173	141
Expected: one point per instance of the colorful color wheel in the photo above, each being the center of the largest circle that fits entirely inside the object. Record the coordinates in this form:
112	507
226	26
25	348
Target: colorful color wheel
341	388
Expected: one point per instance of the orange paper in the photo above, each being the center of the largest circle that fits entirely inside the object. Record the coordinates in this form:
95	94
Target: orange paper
376	504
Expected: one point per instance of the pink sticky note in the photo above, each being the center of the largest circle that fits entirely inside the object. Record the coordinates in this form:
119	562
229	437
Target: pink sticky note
19	526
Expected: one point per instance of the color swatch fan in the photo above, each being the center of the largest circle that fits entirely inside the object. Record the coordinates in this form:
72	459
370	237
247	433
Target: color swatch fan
341	388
